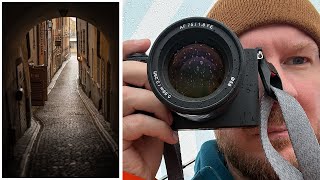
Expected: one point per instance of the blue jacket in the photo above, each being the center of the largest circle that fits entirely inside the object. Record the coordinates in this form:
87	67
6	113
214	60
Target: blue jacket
210	163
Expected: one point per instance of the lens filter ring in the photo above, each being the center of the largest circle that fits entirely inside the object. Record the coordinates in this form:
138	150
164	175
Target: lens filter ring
195	66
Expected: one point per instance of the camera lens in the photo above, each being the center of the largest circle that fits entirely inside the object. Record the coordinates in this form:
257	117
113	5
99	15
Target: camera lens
196	70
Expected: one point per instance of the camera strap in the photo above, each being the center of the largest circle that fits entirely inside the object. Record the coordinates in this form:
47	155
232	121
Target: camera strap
172	157
302	136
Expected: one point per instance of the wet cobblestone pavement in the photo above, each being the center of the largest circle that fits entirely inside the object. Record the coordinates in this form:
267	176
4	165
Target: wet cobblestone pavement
69	144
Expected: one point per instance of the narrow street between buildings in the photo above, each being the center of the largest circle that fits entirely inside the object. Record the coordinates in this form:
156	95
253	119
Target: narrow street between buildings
69	144
60	90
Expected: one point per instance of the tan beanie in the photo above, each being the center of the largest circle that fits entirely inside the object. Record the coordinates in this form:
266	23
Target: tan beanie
243	15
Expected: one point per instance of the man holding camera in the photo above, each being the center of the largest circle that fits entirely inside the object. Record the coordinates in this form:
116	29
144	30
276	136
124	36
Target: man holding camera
289	34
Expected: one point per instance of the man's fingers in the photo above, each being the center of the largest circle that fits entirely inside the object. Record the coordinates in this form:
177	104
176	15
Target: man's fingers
137	125
135	46
135	73
144	100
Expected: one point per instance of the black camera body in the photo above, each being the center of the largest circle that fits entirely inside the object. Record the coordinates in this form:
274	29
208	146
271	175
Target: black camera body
199	70
241	107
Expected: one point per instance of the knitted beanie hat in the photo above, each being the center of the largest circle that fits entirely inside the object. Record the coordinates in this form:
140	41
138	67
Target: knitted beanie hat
243	15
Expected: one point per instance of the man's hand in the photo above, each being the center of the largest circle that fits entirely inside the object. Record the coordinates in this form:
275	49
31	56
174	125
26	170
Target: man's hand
143	135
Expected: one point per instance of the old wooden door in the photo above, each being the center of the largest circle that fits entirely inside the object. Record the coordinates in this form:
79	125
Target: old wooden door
38	78
22	126
108	103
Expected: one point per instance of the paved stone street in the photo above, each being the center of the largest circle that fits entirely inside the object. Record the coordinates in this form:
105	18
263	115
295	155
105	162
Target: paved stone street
69	144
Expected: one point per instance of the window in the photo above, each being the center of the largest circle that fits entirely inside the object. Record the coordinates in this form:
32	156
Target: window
98	71
78	54
28	45
98	43
83	41
98	58
34	37
79	41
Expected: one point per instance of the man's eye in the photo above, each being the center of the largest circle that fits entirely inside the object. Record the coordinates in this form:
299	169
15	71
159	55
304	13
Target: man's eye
296	60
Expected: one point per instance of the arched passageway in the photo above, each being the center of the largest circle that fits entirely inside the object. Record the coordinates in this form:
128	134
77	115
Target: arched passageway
18	19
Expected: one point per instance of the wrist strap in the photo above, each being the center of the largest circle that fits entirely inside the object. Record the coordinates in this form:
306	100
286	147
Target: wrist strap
172	157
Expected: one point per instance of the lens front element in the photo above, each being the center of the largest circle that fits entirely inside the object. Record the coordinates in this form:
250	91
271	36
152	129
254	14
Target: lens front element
196	70
191	64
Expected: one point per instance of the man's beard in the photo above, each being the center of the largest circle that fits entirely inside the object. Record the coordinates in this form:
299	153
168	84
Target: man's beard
249	165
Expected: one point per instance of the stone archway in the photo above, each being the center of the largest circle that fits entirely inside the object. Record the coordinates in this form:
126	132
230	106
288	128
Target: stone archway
18	18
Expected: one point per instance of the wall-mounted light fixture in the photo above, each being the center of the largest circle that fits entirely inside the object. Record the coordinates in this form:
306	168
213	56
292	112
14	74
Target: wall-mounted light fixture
49	24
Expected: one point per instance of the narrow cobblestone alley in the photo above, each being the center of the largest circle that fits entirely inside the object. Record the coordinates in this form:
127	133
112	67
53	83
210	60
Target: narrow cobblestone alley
69	144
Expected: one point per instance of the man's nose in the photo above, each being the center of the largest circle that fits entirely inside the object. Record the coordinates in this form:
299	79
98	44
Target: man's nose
287	83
